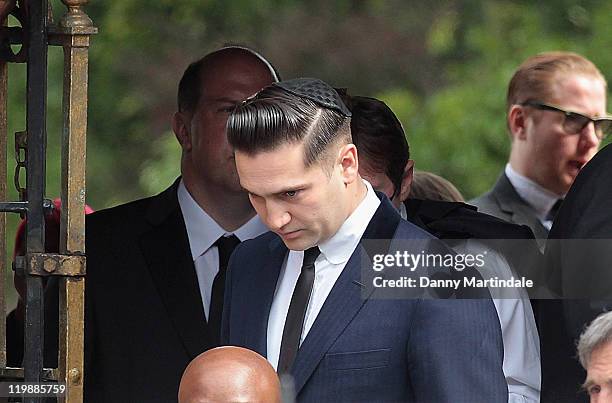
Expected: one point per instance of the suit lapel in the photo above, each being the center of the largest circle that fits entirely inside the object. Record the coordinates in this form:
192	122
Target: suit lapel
263	285
345	299
521	213
166	250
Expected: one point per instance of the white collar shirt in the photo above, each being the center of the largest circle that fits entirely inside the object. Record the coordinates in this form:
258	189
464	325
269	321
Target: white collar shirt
203	232
540	199
335	253
403	212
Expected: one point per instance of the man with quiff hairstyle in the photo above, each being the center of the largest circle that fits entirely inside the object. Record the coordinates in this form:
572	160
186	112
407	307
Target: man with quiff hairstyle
298	296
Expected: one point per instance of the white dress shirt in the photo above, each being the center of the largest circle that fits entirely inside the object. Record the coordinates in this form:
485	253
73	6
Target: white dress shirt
203	232
540	199
335	253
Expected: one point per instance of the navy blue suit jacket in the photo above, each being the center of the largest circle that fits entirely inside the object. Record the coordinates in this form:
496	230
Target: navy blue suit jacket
362	348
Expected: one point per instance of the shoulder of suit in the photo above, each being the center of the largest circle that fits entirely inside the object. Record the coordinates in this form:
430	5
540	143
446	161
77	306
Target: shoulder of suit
480	224
161	203
130	210
488	203
264	240
409	230
485	199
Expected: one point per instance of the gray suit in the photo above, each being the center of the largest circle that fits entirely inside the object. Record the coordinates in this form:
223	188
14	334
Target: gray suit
504	202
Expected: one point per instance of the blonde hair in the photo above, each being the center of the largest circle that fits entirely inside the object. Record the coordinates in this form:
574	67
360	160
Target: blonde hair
536	76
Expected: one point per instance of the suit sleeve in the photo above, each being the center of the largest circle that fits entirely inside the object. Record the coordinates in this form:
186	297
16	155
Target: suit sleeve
457	352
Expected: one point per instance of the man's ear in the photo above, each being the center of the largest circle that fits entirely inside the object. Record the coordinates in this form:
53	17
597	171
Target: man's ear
181	123
517	120
406	181
349	162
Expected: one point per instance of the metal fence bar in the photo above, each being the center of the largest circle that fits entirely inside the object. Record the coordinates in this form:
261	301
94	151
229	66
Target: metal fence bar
17	373
3	198
36	173
73	34
10	207
75	30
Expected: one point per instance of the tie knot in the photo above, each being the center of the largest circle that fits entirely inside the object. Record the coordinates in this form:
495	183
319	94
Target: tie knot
310	255
552	213
226	245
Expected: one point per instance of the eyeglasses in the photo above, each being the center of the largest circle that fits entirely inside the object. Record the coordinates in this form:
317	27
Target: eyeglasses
575	122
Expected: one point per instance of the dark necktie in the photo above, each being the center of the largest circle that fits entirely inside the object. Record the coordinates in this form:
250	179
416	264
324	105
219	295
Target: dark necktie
226	246
552	213
294	323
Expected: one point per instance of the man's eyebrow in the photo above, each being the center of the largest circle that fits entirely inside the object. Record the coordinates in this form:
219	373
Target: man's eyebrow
587	384
279	192
248	191
293	188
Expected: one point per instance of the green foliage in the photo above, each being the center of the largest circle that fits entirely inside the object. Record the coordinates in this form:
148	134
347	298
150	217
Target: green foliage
442	65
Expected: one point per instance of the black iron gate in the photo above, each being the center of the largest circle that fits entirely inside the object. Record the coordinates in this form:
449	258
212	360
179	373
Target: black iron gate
36	33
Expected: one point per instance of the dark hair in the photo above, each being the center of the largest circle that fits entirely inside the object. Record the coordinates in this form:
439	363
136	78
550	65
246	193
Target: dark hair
379	137
276	116
190	86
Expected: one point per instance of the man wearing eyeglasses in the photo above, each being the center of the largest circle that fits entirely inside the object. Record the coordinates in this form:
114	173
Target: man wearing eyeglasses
557	118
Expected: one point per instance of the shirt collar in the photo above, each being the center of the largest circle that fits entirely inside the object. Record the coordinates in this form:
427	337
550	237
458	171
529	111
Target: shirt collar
539	198
203	231
403	212
339	248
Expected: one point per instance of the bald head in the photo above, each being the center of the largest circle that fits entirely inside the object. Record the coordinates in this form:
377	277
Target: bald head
209	90
229	374
221	62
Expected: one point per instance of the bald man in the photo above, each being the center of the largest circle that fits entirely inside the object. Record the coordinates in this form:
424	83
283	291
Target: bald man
229	374
156	266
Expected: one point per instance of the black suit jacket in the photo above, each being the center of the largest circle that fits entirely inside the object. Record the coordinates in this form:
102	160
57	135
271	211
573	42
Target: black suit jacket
455	220
578	262
144	315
